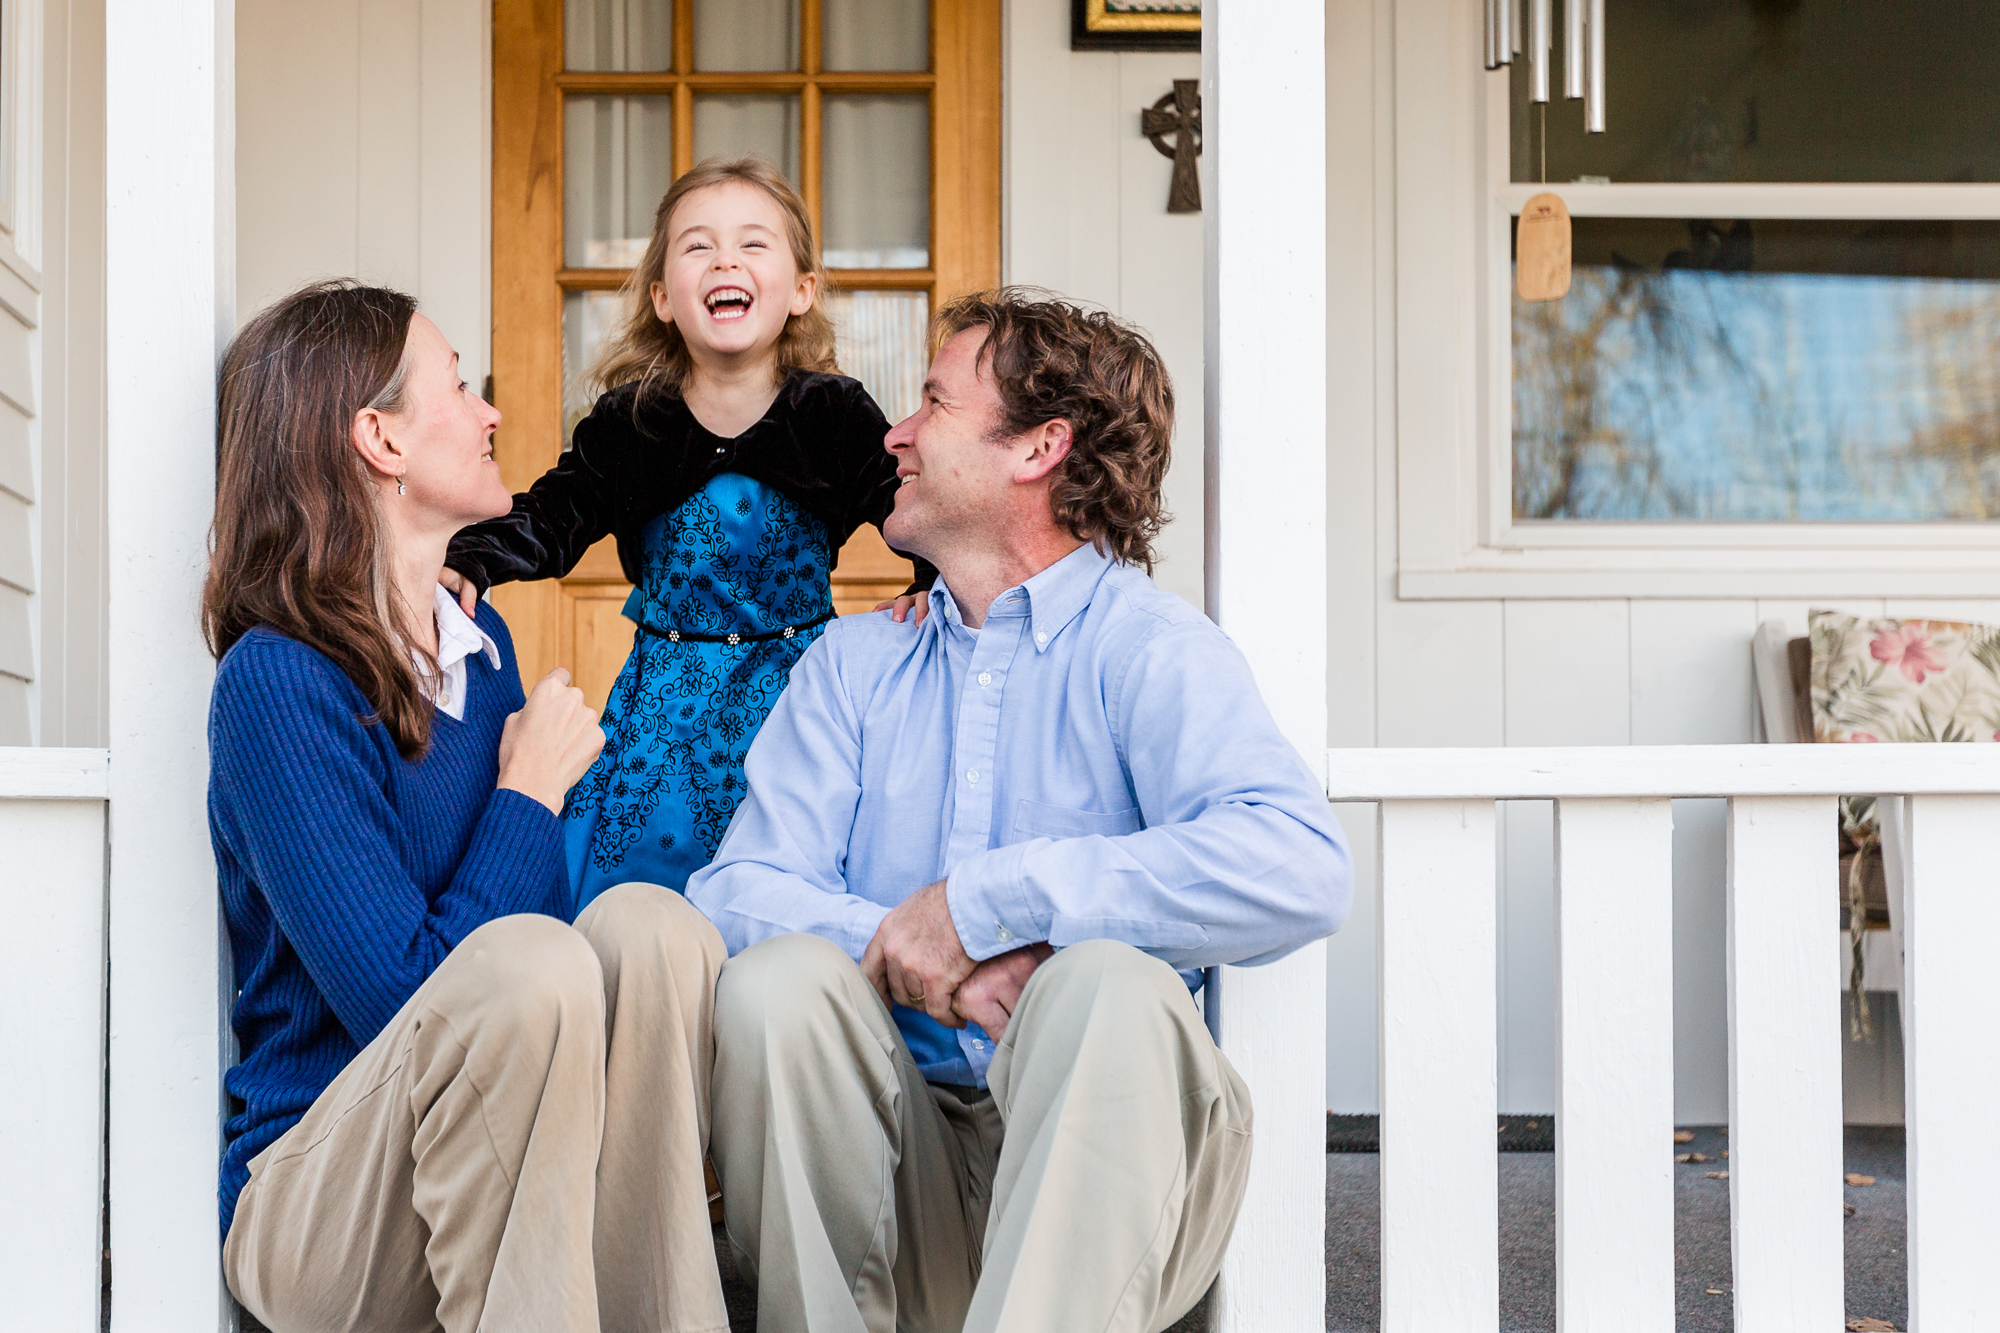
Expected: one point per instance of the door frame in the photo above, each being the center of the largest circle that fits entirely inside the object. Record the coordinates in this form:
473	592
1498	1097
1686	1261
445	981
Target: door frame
549	620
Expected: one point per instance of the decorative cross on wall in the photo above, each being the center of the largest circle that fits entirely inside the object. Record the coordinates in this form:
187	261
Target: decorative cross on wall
1178	114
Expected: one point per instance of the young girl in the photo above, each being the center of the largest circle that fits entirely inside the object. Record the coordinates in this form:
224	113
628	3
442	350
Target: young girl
731	462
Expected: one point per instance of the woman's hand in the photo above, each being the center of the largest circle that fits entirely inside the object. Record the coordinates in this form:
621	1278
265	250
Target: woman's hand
550	743
462	588
902	606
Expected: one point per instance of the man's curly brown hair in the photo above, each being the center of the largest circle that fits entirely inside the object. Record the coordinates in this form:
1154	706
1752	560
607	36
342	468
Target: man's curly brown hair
1052	360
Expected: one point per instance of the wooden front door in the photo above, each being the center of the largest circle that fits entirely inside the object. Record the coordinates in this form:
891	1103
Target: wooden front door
884	113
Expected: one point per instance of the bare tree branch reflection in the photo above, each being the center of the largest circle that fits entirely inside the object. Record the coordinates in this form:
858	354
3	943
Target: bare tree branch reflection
1702	391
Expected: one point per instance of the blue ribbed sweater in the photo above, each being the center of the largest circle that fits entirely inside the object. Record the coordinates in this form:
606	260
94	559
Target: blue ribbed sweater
348	873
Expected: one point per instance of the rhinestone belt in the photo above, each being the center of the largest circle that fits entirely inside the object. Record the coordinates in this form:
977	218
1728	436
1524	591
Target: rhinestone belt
690	636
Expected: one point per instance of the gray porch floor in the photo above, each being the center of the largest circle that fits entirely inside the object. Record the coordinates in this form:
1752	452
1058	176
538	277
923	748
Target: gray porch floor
1876	1281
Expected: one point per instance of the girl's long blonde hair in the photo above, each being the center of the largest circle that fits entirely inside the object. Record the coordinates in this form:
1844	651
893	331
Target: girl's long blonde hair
650	352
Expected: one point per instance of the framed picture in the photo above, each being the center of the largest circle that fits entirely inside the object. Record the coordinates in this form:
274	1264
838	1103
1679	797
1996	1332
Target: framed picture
1135	25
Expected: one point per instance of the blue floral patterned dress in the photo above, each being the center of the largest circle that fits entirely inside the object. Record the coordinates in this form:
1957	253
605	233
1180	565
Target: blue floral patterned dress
736	557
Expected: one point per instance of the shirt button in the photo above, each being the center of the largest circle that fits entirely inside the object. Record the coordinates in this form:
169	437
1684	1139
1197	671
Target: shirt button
1001	933
721	449
978	1045
986	678
972	775
1041	638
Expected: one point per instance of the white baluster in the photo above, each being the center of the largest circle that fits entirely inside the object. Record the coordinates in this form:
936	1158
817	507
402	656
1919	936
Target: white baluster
1784	1064
1951	1061
51	1043
1615	1092
1440	1187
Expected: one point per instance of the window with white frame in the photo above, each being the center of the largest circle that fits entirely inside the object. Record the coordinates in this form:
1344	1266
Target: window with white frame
1815	363
1777	371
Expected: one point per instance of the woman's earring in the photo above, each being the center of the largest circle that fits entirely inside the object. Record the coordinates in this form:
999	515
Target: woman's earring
399	487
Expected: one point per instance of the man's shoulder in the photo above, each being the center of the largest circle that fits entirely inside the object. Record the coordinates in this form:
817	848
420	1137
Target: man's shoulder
1132	611
864	647
870	632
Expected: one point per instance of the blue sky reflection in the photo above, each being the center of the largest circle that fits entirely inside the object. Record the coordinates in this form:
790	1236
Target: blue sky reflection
1731	396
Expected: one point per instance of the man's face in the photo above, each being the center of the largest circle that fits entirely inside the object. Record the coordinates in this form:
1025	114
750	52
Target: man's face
958	482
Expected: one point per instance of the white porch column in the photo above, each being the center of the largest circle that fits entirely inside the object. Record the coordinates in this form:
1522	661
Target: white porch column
1264	197
169	260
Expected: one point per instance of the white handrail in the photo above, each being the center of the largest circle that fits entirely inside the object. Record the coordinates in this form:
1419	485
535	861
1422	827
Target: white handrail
52	774
1535	773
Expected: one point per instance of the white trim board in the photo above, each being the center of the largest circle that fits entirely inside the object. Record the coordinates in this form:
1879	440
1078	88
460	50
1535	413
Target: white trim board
54	774
1512	773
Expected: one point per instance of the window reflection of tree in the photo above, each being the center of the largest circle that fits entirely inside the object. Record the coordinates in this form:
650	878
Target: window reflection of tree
1581	450
1957	351
1701	393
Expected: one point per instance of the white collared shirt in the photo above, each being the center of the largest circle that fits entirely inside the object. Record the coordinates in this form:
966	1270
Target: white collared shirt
458	639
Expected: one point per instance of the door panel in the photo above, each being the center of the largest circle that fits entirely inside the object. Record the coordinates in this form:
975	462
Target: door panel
891	133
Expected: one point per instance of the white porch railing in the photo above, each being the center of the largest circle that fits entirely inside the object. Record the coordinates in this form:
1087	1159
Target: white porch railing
1437	939
1614	1117
52	872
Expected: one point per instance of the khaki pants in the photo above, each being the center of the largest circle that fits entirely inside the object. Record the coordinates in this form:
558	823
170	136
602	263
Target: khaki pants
521	1148
1093	1190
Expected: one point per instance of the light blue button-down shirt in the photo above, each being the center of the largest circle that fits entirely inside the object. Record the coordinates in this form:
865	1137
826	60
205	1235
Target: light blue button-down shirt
1093	763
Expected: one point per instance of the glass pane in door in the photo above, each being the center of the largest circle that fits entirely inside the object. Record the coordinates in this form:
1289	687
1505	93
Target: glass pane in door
618	160
631	35
589	318
875	34
877	206
729	125
746	34
881	343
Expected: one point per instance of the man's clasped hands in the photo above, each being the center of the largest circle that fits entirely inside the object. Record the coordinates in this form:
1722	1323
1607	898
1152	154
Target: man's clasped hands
916	959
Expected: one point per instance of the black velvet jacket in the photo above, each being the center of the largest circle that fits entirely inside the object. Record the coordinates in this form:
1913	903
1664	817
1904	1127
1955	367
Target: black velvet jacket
820	443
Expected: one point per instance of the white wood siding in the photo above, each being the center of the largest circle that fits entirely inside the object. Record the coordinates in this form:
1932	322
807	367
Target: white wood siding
20	431
363	150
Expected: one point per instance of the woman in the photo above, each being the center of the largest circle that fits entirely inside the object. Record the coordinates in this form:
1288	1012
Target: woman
455	1109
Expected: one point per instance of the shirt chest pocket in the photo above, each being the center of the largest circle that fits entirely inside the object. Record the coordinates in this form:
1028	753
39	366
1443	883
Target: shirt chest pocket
1036	819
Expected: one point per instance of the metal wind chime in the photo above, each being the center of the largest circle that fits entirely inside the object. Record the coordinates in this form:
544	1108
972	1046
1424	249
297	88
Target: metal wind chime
1542	236
1583	49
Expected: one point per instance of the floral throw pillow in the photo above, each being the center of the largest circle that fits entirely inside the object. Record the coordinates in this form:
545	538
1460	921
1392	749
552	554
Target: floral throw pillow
1904	680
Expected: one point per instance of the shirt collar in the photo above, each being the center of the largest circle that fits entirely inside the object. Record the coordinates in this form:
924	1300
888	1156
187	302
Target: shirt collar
1051	599
459	637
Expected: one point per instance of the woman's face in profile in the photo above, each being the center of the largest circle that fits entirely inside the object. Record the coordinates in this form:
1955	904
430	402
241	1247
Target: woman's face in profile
445	433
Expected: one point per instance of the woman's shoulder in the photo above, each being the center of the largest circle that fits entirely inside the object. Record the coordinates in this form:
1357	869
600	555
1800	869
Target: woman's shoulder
270	679
266	653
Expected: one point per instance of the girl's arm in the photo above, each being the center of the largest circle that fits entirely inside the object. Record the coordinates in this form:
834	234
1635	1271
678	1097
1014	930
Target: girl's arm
569	510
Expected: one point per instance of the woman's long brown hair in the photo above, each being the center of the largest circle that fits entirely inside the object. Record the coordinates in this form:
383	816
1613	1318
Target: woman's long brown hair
297	543
651	352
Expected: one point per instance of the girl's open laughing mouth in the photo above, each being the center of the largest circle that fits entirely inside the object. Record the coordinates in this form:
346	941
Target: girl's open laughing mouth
726	304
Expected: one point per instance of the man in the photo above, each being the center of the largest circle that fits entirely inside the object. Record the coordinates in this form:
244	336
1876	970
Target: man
958	1081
